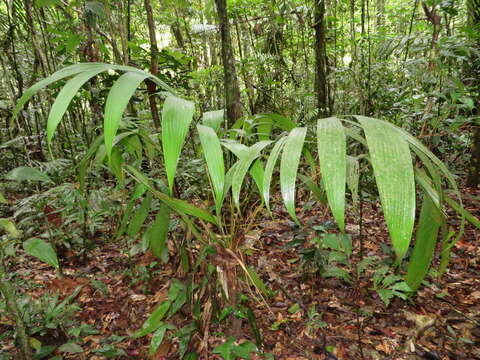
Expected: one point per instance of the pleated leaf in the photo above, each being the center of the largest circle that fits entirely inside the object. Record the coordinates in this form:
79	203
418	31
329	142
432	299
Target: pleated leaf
289	168
272	160
213	154
213	119
117	100
256	170
244	164
41	250
426	239
393	169
25	173
332	148
177	115
64	97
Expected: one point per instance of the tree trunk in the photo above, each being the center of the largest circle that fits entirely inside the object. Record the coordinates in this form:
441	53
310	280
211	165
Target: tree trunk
473	179
232	91
153	63
320	58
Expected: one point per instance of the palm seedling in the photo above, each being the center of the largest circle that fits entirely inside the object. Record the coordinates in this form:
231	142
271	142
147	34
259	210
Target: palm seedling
390	151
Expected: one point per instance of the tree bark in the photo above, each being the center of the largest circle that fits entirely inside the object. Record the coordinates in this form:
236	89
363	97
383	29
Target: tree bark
153	63
473	179
321	87
233	102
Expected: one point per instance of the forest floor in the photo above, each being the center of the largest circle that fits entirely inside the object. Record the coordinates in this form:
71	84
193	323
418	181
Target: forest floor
349	321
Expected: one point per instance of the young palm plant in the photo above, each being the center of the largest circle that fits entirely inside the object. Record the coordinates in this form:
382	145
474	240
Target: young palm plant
390	151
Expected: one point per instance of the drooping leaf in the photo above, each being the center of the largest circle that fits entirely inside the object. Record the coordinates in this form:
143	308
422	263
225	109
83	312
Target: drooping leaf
64	98
256	170
272	160
464	212
393	169
177	115
140	216
153	321
8	226
178	205
213	154
42	251
425	154
25	173
117	100
60	74
139	191
213	119
289	168
332	148
156	235
426	239
158	336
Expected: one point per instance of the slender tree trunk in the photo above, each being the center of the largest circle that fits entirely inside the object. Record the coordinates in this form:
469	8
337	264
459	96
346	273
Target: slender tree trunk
37	51
232	90
153	63
6	289
380	10
473	179
321	87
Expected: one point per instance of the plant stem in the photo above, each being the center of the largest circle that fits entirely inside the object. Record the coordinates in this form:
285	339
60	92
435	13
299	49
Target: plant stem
8	293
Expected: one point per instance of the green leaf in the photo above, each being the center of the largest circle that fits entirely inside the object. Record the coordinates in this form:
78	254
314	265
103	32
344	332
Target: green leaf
386	295
461	210
289	168
60	74
226	349
177	115
213	119
178	205
393	168
82	166
25	173
70	348
256	170
427	156
10	228
156	235
336	272
212	151
2	199
153	321
158	336
272	160
257	282
117	100
64	98
332	153
245	349
426	238
140	216
244	164
42	251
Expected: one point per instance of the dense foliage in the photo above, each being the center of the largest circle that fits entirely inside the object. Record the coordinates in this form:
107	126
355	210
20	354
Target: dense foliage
166	128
